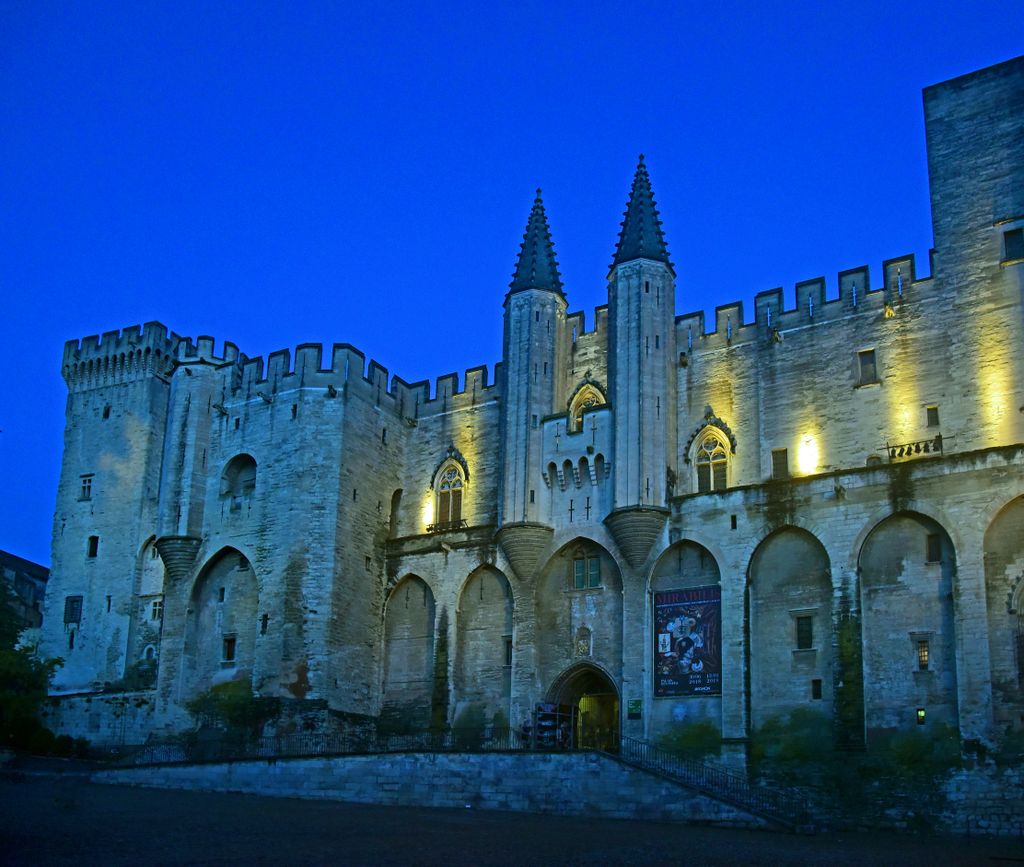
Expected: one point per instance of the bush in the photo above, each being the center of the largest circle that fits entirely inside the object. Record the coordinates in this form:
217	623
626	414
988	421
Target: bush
234	708
692	740
468	729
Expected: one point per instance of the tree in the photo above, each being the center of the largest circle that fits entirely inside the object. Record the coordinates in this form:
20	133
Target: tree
23	682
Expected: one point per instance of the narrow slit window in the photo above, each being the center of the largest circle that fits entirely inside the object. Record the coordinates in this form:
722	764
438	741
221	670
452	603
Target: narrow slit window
923	654
93	548
1013	245
868	367
934	548
805	633
932	413
780	463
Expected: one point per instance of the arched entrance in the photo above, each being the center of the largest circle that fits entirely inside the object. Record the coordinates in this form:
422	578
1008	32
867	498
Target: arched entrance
593	704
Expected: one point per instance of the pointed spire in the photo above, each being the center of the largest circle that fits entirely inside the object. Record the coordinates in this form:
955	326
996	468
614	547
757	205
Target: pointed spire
641	236
537	267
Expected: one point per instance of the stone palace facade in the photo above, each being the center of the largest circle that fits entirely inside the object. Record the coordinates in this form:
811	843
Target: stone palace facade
645	517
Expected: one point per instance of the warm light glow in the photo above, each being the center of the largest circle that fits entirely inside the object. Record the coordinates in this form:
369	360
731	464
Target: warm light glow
807	455
428	509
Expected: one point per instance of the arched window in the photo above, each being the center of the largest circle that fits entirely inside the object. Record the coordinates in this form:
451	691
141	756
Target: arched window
712	463
451	485
239	481
586	398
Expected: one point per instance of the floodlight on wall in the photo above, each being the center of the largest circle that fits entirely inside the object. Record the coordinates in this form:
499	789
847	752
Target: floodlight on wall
920	716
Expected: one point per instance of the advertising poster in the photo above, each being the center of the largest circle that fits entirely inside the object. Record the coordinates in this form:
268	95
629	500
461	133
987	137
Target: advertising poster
688	642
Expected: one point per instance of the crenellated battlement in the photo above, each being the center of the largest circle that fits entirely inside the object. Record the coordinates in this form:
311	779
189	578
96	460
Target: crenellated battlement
119	356
576	322
772	319
347	374
203	351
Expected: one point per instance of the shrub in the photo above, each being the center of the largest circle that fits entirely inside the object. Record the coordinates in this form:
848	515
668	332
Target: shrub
233	707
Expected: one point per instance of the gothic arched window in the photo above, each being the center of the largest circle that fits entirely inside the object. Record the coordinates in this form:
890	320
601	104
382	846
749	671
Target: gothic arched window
712	464
450	487
586	398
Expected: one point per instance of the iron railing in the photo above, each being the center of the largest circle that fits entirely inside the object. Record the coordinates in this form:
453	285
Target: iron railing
784	806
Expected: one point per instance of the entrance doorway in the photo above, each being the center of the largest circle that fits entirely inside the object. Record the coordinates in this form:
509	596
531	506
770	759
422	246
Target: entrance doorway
594	703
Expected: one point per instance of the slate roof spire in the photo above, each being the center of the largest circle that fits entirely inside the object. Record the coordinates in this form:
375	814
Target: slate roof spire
537	267
641	236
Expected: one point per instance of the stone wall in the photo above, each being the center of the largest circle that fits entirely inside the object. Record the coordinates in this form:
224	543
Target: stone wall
582	784
105	720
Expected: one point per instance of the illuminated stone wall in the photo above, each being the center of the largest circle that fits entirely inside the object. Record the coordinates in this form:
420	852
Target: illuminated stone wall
342	518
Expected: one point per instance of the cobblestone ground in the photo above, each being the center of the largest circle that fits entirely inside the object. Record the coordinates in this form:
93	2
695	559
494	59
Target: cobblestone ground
67	820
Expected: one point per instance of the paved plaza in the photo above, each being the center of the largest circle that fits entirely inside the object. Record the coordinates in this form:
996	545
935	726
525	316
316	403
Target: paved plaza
67	820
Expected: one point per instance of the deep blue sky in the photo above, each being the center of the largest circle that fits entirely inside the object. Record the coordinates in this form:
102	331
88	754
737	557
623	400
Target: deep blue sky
281	173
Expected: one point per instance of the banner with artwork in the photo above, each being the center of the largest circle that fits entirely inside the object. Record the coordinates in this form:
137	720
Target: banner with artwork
688	642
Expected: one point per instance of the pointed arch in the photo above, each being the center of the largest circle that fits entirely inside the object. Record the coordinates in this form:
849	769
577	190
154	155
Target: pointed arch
221	628
907	568
588	395
789	622
483	644
409	615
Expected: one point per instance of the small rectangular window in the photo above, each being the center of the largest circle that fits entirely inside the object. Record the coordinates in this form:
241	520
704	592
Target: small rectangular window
732	522
868	368
780	463
264	623
156	610
86	493
221	594
108	604
934	551
72	609
383	436
1013	245
579	573
923	654
816	689
933	416
106	411
533	495
804	632
94	546
238	423
508	651
594	572
228	649
295	410
533	422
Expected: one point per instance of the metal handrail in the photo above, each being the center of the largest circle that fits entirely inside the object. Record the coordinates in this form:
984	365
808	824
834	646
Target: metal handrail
782	805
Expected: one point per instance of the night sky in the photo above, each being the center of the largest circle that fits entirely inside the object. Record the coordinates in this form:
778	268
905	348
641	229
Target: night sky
281	173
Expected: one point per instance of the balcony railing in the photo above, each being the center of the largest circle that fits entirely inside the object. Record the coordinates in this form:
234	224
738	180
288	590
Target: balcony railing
445	526
905	451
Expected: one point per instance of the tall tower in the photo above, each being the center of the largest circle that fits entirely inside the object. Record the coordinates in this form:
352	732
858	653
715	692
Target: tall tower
533	353
642	372
107	499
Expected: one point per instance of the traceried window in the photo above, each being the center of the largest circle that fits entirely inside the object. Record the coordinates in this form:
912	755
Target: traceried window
586	398
712	465
450	488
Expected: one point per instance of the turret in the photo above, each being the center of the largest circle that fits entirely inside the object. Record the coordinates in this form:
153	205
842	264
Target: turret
534	355
642	372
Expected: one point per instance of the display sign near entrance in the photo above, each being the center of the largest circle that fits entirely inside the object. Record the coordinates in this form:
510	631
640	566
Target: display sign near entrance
688	642
634	708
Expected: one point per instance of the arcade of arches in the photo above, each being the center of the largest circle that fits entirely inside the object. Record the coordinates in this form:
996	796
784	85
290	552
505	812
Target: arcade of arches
770	637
